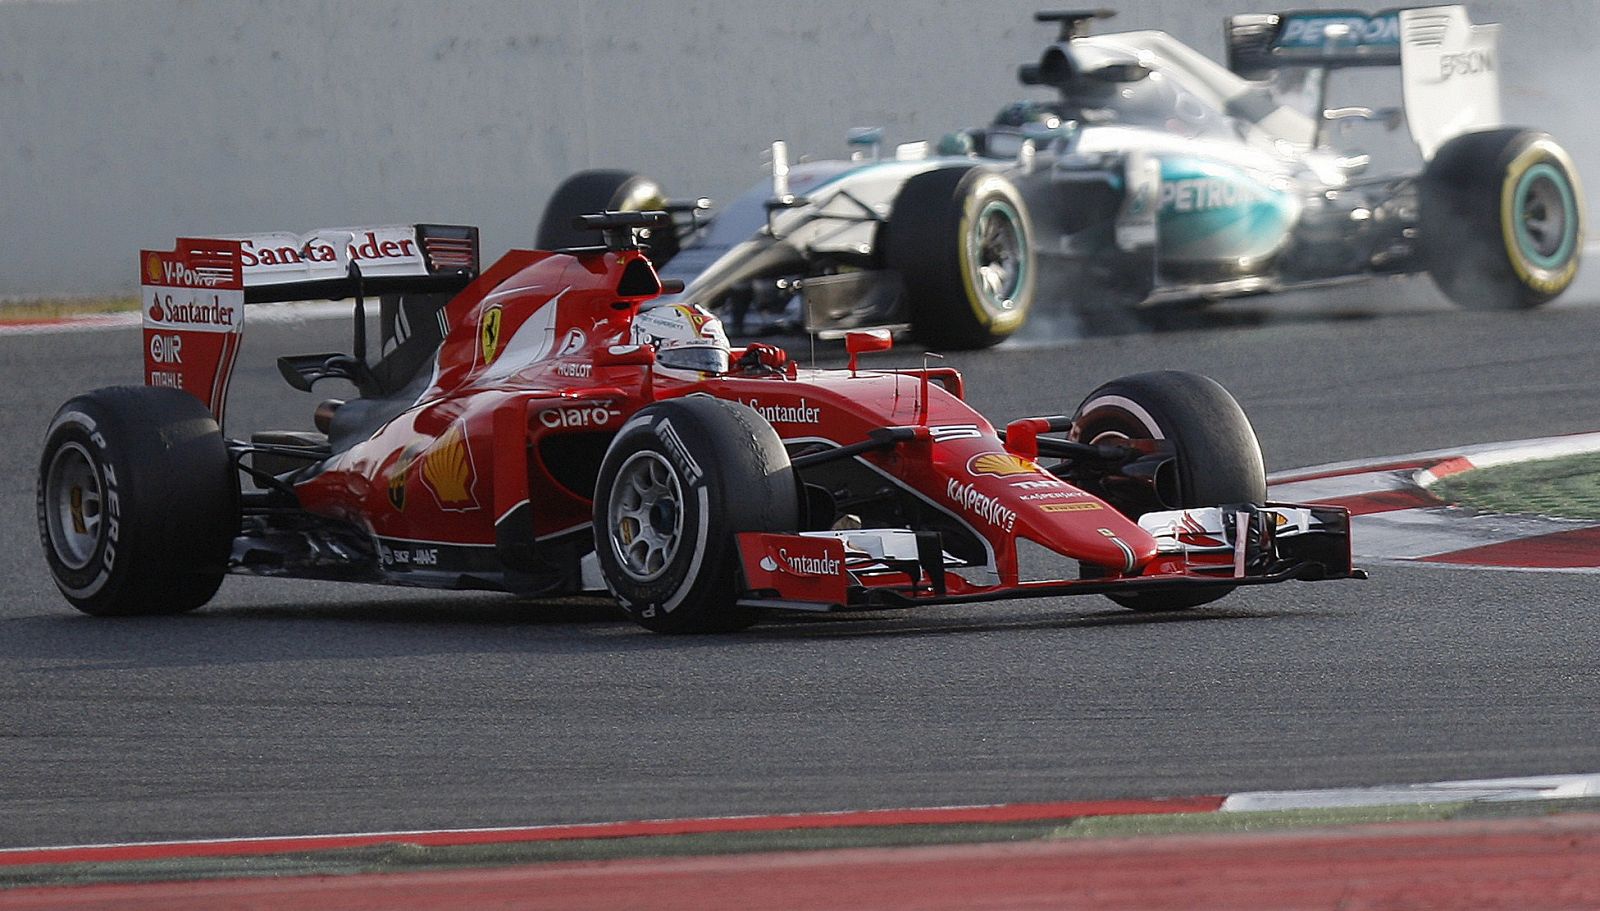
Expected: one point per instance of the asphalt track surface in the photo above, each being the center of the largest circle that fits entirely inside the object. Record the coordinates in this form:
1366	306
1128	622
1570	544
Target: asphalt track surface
288	708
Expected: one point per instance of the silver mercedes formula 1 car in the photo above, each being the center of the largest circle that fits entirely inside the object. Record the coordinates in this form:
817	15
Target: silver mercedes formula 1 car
1152	178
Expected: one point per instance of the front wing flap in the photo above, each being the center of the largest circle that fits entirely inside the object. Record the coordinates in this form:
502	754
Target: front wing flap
872	569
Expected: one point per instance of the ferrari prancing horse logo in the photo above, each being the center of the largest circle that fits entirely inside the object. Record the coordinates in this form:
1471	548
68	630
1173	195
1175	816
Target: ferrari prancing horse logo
400	474
489	334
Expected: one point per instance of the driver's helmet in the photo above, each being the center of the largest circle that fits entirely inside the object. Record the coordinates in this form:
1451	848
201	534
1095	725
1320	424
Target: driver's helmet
1152	101
685	336
1028	113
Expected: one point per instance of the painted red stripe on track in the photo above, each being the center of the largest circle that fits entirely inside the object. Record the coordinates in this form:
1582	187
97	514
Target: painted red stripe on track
1365	504
1576	549
1015	812
1549	863
35	327
1410	465
10	323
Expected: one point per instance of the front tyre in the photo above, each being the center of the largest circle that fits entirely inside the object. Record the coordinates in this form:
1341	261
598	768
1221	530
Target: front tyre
137	501
1501	219
679	481
588	192
1217	460
962	240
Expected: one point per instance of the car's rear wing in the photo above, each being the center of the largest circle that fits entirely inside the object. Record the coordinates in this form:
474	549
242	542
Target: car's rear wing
388	259
1448	65
1260	42
194	295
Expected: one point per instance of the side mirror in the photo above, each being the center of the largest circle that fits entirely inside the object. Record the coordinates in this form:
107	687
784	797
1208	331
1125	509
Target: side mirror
863	341
787	202
625	356
1118	72
783	203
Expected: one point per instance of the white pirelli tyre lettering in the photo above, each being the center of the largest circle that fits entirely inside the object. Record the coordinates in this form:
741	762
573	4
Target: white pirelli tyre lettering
111	498
700	541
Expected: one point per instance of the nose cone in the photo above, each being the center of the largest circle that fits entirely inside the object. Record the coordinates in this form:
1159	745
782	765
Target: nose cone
1013	495
1087	529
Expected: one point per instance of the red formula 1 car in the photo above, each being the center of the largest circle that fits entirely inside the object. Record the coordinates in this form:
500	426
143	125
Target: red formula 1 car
537	429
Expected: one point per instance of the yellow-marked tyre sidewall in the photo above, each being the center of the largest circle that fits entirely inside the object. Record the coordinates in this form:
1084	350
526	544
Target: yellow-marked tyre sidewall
932	240
989	191
1554	278
587	192
1481	232
642	197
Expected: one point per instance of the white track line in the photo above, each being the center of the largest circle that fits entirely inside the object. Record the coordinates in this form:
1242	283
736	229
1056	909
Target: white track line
1406	535
1543	787
1565	444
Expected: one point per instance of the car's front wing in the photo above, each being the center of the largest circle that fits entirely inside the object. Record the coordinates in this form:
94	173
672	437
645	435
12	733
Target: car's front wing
1212	548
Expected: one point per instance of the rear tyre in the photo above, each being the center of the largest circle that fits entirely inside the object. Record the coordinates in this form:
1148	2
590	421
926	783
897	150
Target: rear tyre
962	241
137	502
587	192
1217	458
1502	219
680	479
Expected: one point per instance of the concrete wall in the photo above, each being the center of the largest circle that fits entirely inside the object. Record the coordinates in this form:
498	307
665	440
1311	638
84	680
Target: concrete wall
124	123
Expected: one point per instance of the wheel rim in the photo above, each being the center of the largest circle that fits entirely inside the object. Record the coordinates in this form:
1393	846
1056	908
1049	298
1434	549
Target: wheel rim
645	516
73	506
1545	224
997	250
1110	438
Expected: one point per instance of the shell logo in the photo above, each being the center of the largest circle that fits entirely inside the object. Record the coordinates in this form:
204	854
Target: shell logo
1001	465
152	268
449	473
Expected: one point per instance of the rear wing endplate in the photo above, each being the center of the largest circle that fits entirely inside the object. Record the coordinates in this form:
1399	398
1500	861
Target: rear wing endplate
194	295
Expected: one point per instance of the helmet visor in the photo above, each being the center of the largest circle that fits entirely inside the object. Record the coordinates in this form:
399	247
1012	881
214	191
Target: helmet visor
706	358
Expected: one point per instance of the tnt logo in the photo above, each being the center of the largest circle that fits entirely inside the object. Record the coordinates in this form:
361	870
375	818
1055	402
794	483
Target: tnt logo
166	349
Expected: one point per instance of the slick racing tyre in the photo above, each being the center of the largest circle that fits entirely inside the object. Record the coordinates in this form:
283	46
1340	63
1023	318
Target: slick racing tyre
962	240
588	192
1502	219
137	501
1217	459
680	479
